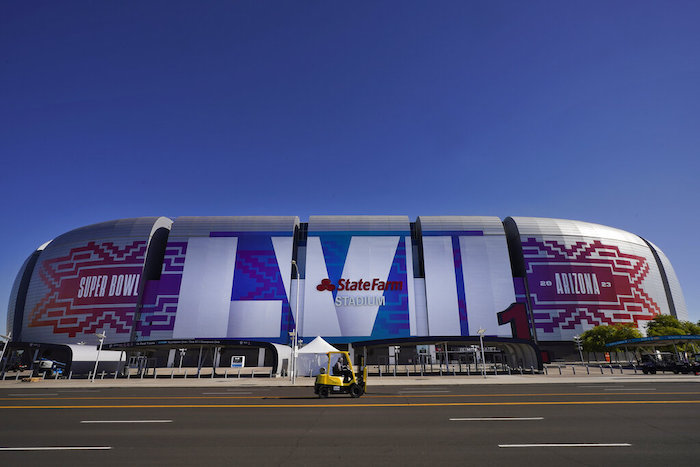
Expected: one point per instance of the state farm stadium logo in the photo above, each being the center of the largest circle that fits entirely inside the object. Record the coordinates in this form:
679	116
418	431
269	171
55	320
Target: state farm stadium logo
346	285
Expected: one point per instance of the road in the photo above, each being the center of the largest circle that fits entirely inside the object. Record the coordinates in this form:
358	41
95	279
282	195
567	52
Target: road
631	423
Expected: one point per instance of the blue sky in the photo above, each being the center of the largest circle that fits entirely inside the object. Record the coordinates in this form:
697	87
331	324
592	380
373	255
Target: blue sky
579	110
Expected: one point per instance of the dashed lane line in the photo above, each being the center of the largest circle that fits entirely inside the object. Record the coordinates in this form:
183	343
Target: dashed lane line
126	421
58	448
341	405
495	419
567	445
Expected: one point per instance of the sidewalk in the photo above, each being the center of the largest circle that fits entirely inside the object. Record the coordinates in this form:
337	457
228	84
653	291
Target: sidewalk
552	377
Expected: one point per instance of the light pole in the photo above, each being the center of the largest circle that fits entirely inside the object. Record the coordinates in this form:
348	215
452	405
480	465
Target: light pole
296	328
182	355
577	340
7	339
101	336
481	332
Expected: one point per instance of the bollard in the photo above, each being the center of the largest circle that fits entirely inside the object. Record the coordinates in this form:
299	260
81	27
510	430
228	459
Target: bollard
128	373
559	366
213	373
199	372
587	371
226	374
239	373
453	371
90	374
611	369
3	376
55	376
634	367
573	368
545	370
441	369
252	373
172	373
394	370
521	370
532	370
601	369
17	376
468	373
143	372
103	375
155	373
43	375
379	367
421	370
116	372
408	373
185	373
621	369
70	375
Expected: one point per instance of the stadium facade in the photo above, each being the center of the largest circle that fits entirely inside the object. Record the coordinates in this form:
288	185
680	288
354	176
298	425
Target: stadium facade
155	283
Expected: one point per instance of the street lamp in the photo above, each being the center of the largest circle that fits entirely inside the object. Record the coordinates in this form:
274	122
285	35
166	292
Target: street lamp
7	339
481	332
101	336
296	328
579	346
182	355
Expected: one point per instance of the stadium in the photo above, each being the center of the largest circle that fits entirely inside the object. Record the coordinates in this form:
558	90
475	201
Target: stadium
207	289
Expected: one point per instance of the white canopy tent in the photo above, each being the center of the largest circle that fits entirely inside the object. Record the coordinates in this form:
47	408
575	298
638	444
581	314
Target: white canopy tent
312	357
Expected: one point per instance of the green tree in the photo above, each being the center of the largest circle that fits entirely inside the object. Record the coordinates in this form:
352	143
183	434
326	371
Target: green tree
594	340
667	325
691	328
624	331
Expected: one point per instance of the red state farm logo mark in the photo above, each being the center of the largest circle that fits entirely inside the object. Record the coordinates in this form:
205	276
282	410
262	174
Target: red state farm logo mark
358	285
325	284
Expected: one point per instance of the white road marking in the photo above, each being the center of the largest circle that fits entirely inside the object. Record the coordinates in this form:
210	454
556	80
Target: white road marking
126	421
420	392
225	393
631	389
59	448
489	419
78	390
567	445
34	394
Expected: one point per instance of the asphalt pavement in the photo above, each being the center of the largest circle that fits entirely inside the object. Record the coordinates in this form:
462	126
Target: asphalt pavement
602	420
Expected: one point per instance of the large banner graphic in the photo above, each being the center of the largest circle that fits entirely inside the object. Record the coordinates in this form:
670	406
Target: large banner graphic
576	286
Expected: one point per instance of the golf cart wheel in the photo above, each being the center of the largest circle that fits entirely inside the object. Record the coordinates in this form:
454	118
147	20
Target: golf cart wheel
323	392
355	391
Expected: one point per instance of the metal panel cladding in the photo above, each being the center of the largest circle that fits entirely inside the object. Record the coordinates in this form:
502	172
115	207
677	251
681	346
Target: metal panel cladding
18	295
468	277
223	277
359	278
674	285
87	280
581	275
